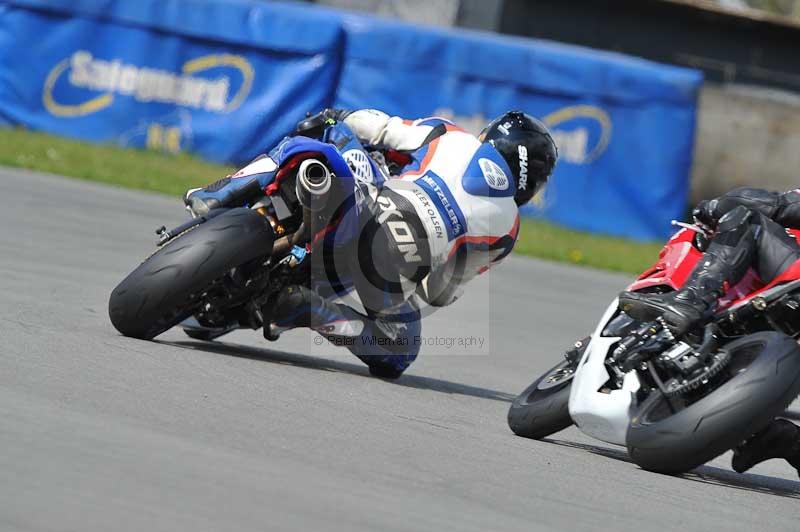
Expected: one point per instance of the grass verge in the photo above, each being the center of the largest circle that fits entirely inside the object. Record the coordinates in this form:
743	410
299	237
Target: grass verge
141	169
552	242
174	174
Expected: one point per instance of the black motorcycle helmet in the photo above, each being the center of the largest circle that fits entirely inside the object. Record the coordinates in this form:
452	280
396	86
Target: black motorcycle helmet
526	145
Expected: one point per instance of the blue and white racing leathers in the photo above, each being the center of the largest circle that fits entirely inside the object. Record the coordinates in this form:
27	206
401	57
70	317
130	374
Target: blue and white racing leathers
446	215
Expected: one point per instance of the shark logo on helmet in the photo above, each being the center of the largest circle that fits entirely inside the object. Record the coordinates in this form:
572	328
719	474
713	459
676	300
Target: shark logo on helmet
522	184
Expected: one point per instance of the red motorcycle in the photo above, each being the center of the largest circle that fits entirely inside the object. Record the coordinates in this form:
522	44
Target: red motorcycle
676	403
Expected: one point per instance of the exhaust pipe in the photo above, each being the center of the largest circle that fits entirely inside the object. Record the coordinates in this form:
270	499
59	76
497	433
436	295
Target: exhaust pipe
313	184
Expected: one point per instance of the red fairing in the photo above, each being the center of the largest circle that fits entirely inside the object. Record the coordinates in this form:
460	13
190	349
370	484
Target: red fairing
675	262
791	273
679	257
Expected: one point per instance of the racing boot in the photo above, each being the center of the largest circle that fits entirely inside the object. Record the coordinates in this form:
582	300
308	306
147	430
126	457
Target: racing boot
299	306
781	439
681	309
226	192
381	344
728	257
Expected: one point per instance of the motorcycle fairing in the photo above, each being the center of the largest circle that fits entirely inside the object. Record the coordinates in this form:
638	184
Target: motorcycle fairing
679	257
605	415
601	415
675	262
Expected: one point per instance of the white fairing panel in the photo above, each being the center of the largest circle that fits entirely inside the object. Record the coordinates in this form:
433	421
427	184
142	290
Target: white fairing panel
260	165
600	415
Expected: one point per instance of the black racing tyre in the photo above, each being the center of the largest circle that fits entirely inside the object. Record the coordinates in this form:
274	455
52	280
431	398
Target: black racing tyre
541	410
160	292
763	378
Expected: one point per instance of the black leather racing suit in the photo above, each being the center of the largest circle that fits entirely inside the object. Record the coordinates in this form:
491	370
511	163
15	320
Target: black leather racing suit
751	230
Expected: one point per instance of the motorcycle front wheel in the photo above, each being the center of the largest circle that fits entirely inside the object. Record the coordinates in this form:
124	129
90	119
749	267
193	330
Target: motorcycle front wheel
762	378
542	409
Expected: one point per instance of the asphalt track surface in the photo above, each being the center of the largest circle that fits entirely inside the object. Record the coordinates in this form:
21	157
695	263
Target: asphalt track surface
101	432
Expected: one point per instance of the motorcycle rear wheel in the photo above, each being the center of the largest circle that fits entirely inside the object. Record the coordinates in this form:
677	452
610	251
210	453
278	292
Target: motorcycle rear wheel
542	409
763	378
164	289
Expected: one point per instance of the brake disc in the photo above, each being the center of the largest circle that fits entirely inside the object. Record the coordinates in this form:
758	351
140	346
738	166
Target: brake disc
720	359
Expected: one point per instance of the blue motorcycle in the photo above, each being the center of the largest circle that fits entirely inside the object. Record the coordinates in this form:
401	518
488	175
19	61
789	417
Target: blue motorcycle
220	271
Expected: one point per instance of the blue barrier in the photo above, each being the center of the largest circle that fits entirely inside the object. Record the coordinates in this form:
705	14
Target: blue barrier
624	126
221	79
225	79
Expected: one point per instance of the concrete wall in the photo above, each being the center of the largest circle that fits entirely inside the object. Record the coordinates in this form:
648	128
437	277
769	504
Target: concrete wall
474	14
746	136
436	12
726	46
